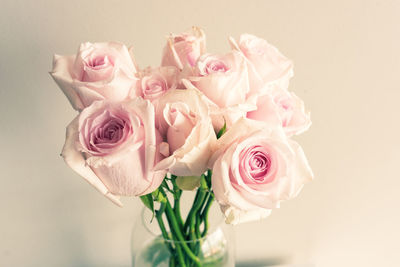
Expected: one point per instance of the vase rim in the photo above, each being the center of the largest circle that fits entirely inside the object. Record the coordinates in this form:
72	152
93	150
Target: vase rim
212	230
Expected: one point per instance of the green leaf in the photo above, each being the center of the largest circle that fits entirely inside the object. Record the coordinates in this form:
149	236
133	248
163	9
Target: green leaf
148	202
159	196
221	131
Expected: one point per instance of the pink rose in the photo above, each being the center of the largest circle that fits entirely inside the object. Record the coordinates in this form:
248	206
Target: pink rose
224	82
99	71
114	146
266	65
183	121
254	169
156	82
184	49
282	108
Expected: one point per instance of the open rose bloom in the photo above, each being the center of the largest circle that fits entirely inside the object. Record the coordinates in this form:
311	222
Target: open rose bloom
255	168
220	124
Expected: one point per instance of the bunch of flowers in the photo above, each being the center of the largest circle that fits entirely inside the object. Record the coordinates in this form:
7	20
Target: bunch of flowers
217	124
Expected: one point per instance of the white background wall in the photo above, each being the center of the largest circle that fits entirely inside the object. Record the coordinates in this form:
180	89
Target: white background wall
347	70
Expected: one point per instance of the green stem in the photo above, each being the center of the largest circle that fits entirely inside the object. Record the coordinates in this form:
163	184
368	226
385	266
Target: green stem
164	203
176	232
164	232
177	201
166	186
187	222
177	211
208	178
197	225
172	261
183	253
204	214
181	258
193	230
198	234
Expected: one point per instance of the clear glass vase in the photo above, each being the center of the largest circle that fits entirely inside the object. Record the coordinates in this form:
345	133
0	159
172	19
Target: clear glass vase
149	249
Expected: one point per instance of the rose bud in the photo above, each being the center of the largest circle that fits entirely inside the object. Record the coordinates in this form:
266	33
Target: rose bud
183	121
99	71
184	49
114	147
254	169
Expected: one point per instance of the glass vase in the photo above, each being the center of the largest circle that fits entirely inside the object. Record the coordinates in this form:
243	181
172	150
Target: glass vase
150	249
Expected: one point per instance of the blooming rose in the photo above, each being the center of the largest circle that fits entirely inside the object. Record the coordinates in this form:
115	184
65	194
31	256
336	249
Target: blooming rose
224	81
184	49
183	121
99	71
266	65
282	108
154	83
254	168
114	146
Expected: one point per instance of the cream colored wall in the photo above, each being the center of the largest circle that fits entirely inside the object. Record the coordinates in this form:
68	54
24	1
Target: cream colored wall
347	64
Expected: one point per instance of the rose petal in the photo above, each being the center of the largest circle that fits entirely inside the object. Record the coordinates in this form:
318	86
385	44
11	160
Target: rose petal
76	161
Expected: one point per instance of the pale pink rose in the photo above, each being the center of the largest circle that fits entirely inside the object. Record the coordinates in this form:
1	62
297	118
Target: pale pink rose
153	83
224	82
183	121
254	169
223	79
184	49
282	108
99	71
114	146
266	65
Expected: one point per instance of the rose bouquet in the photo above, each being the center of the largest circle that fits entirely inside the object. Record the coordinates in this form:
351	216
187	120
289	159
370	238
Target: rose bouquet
217	124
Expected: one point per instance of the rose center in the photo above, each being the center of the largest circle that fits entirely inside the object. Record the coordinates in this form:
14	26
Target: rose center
111	132
156	86
216	66
259	164
255	163
99	62
179	39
